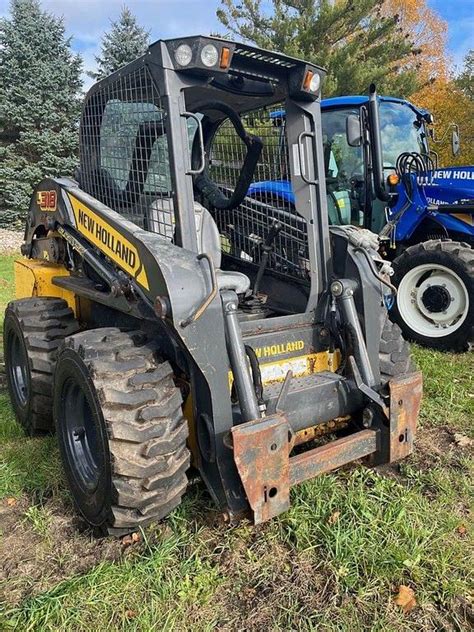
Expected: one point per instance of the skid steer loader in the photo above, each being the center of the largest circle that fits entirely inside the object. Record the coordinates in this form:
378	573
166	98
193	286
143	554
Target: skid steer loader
155	323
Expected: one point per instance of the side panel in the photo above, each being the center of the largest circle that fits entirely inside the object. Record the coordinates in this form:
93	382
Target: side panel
451	184
34	278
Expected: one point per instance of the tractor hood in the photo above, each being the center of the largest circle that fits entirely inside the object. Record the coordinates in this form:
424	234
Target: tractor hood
450	185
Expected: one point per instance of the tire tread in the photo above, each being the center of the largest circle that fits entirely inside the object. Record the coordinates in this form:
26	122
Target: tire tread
147	431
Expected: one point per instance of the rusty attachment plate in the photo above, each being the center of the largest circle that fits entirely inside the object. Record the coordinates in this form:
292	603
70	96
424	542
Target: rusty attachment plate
261	454
332	455
405	401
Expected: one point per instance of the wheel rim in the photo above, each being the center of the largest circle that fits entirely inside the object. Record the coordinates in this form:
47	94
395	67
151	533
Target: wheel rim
81	437
433	300
18	368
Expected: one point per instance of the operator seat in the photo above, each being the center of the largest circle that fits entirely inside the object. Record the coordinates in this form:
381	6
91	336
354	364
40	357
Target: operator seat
161	221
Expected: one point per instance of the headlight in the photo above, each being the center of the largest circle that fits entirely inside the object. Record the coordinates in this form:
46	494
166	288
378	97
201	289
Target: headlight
314	83
183	55
311	81
209	55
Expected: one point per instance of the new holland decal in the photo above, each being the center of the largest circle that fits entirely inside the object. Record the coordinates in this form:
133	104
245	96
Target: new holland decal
109	241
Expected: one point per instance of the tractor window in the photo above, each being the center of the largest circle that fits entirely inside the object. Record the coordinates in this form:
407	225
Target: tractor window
344	170
402	131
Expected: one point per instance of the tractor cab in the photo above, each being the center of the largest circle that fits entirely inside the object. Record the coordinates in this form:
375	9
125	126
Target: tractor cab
350	168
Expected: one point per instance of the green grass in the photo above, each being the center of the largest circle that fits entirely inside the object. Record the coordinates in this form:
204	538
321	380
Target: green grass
333	562
448	388
7	289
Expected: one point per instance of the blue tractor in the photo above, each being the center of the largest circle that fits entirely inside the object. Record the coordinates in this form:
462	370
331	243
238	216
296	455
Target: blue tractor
382	175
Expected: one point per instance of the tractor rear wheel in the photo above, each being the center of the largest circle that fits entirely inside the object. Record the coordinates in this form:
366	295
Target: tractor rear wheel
121	430
435	301
33	331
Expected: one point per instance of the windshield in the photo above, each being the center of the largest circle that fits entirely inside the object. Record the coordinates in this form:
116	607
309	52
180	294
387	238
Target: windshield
402	131
344	170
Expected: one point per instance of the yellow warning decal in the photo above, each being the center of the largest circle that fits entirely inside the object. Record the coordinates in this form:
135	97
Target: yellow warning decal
109	241
279	349
300	366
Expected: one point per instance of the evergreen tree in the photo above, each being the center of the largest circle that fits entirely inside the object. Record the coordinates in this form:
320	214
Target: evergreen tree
40	80
355	40
125	41
465	80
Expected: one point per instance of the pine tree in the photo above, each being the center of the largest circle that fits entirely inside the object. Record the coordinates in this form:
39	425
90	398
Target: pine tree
40	80
125	41
353	39
465	80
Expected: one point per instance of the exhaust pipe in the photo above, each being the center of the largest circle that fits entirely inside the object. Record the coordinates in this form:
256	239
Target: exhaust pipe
376	146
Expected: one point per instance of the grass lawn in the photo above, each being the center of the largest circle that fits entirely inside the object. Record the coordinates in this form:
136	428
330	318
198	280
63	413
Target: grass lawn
335	561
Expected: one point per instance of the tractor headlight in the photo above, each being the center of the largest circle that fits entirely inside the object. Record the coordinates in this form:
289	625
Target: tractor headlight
209	55
183	55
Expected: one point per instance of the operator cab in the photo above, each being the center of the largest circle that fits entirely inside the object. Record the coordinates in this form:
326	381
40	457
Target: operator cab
184	173
348	170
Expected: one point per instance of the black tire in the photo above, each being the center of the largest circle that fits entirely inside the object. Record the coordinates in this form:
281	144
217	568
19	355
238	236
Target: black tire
33	330
394	353
121	430
457	257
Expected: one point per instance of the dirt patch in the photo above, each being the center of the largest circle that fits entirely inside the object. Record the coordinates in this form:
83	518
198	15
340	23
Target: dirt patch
433	446
41	546
440	444
272	579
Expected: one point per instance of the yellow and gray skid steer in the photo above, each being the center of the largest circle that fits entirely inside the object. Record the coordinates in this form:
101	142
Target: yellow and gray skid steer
163	317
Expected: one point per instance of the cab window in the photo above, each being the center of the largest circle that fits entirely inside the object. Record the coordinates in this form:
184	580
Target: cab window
344	167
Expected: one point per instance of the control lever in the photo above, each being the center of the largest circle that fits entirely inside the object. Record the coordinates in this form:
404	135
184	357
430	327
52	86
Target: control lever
267	247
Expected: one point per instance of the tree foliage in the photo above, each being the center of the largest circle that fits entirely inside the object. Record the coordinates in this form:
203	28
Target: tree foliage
465	80
450	99
424	26
40	80
125	41
357	41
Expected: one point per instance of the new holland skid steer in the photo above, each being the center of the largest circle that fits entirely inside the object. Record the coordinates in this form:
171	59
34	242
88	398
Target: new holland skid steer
155	324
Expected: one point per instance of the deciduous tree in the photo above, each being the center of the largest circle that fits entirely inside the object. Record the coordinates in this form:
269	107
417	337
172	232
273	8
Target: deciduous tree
450	101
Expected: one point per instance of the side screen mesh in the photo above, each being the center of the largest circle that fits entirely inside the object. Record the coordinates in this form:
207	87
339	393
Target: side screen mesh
269	200
124	152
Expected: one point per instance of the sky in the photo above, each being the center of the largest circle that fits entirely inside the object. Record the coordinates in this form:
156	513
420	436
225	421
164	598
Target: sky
86	20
